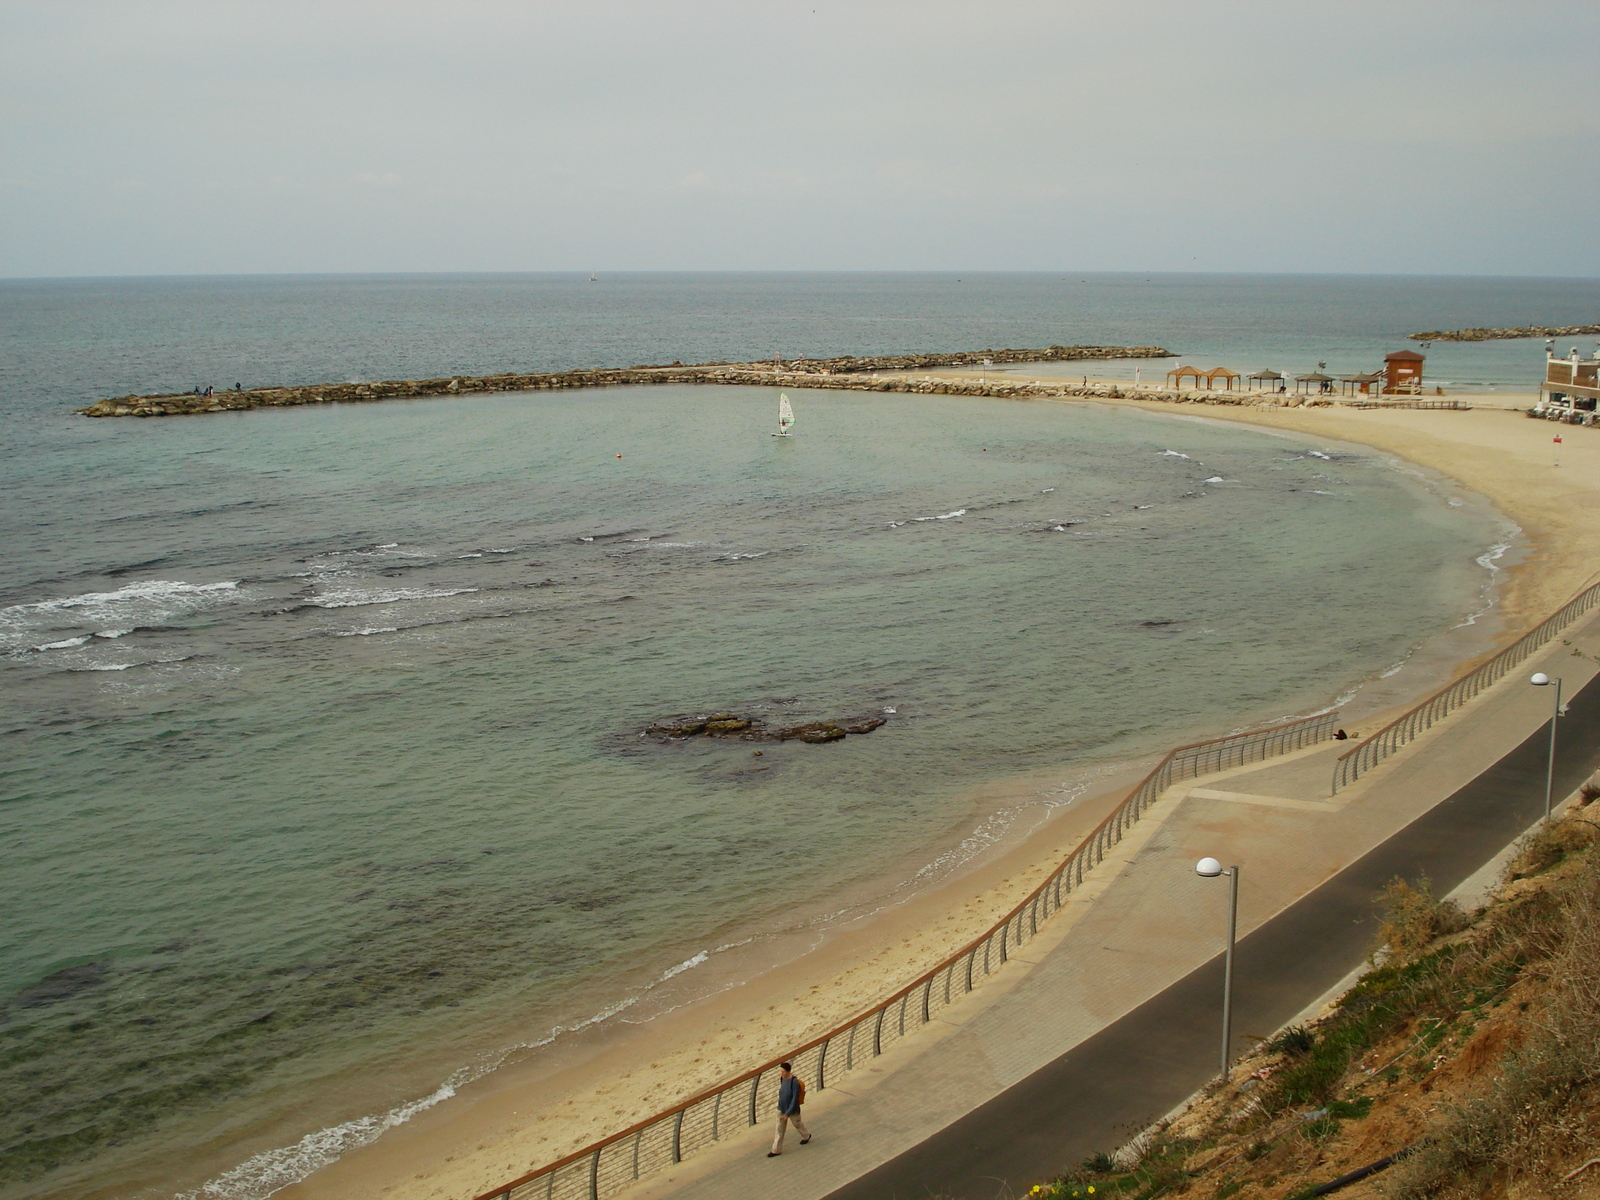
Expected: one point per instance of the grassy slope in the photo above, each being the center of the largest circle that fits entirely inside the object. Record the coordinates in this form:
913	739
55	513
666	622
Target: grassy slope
1476	1041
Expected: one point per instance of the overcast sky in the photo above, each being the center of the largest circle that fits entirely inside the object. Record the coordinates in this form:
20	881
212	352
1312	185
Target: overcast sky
150	138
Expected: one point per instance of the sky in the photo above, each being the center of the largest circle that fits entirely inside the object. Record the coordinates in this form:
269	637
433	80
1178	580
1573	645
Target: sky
145	137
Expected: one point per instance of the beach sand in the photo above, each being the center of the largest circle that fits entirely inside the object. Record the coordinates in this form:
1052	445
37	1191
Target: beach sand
530	1112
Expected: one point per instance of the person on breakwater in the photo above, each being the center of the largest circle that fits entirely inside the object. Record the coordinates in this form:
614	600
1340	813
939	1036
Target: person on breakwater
791	1095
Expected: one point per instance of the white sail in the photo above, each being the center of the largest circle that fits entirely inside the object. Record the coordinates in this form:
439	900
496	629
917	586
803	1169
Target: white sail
785	414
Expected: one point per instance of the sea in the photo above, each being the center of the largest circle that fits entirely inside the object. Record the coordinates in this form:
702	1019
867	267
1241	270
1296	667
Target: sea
326	787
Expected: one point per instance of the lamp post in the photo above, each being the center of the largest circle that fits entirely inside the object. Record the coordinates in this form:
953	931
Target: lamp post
1543	680
1210	868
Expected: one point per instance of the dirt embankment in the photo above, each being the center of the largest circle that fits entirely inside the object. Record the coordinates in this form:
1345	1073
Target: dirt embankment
849	373
1466	1064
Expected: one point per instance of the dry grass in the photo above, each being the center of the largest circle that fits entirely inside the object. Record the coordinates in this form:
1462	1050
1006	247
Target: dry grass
1539	1112
1477	1041
1413	917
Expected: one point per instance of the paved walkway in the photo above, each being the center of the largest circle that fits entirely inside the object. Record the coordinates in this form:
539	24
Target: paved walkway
1110	1017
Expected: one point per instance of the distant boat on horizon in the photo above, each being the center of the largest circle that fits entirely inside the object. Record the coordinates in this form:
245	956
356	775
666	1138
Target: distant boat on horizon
592	277
785	416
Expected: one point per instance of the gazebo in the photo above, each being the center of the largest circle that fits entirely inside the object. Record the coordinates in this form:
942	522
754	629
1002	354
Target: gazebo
1221	373
1324	383
1353	385
1176	377
1269	381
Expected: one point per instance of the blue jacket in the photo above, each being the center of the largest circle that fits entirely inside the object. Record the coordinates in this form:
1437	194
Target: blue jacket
789	1095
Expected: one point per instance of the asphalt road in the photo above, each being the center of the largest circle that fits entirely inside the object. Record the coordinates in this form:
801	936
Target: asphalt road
1103	1091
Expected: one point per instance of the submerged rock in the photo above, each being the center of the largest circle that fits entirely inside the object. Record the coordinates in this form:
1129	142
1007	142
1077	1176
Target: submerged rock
753	729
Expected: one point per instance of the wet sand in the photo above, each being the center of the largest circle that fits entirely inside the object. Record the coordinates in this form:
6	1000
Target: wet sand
530	1112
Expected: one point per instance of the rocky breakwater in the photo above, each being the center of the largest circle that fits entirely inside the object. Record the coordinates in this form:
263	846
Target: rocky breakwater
850	373
1495	335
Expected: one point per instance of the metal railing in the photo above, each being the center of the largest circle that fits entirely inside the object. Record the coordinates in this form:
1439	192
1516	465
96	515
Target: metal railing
608	1166
1404	729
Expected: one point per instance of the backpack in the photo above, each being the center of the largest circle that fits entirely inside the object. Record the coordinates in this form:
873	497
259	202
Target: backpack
801	1098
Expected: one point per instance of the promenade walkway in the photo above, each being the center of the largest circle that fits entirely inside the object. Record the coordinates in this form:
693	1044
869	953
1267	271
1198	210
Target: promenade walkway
1110	1017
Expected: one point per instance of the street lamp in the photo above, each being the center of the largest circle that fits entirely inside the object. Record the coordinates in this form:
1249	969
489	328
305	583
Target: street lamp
1543	680
1210	868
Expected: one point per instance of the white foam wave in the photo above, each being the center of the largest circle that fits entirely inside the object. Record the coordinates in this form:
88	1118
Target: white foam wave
146	590
1174	454
1320	454
367	632
273	1170
1489	561
477	555
960	512
1144	506
687	964
1047	491
1320	492
149	662
737	557
112	633
1490	557
62	645
1216	479
354	598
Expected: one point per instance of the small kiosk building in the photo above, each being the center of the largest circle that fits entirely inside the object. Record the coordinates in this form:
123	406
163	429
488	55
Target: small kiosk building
1402	373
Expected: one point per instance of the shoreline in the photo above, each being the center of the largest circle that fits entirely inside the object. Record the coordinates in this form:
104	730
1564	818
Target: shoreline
424	1157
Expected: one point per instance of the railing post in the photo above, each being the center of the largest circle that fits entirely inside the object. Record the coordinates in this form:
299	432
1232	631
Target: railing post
755	1086
716	1116
594	1176
970	959
927	999
677	1137
877	1035
637	1138
822	1064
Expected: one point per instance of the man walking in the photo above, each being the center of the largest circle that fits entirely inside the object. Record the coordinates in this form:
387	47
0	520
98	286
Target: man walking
791	1095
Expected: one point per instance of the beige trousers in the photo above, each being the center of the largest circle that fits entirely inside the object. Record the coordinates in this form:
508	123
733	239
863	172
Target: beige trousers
783	1124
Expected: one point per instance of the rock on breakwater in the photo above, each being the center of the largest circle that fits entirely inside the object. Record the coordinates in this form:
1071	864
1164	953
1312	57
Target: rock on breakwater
1494	335
850	373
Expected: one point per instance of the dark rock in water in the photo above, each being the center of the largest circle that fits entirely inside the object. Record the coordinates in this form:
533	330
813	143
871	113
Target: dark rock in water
865	724
815	732
62	985
1156	624
681	728
754	729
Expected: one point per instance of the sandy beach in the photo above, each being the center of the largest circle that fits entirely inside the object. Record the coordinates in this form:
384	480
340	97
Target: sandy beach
532	1111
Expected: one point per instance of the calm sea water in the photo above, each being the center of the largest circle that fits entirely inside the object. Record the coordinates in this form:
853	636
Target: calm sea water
324	784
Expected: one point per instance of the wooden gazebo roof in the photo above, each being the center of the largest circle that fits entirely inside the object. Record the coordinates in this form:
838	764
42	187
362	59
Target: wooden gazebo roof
1267	375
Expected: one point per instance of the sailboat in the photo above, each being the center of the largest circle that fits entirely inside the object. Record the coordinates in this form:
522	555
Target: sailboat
785	416
591	277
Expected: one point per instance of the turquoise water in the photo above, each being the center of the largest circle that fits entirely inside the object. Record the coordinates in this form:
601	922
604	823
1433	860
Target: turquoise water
326	784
